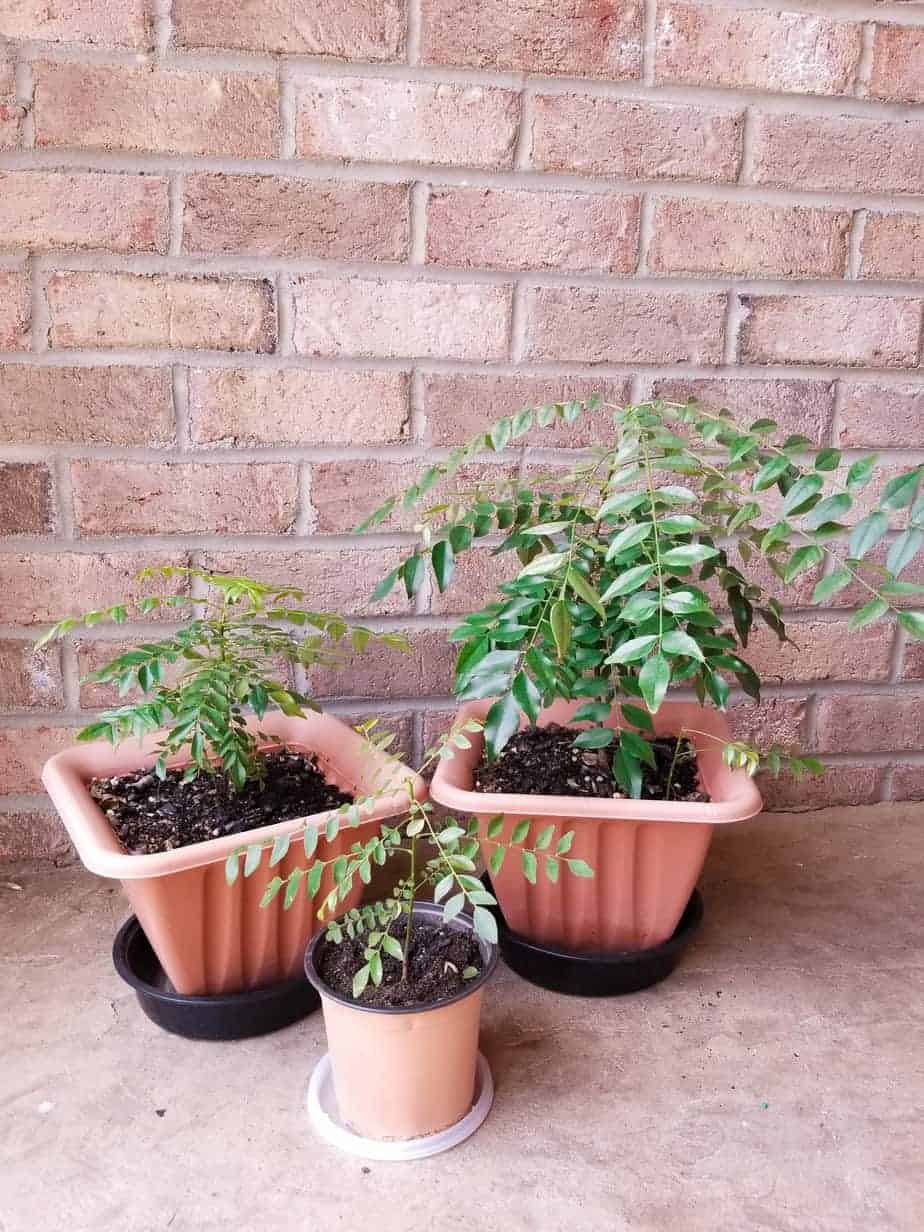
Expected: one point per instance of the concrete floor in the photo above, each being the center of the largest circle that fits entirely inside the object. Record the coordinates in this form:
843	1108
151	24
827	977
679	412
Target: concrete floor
773	1083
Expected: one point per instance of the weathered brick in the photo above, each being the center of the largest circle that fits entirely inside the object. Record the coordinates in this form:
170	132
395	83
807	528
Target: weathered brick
297	406
821	650
378	120
144	310
30	679
90	406
276	216
806	407
840	785
602	39
727	237
913	660
908	783
116	23
344	493
42	587
23	752
773	720
844	153
459	406
34	834
93	106
893	246
631	139
898	56
592	326
336	581
43	210
128	498
855	331
755	49
882	416
11	113
349	29
870	722
381	671
393	319
25	499
15	313
513	229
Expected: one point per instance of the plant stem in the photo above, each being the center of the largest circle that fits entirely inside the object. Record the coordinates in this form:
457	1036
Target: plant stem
673	766
412	880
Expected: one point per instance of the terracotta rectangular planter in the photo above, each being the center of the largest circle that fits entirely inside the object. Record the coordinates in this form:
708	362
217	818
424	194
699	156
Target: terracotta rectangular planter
647	855
211	937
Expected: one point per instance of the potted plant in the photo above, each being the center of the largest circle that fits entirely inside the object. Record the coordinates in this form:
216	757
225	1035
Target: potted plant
401	980
158	791
621	564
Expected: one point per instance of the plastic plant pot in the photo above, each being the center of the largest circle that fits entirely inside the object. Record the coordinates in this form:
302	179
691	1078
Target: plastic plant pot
401	1074
210	937
647	855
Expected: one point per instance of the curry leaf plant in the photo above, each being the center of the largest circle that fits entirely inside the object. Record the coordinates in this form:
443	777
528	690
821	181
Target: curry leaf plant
199	681
439	855
624	558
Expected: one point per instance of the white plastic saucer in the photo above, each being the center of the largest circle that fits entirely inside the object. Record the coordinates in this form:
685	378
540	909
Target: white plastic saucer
325	1120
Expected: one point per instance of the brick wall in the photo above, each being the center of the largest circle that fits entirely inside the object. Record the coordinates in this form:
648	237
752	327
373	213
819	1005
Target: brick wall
257	261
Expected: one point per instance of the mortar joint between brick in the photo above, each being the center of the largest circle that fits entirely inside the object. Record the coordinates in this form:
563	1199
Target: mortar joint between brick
39	318
306	519
837	420
285	315
855	243
24	85
745	174
288	110
649	41
413	32
735	314
865	61
645	232
175	196
179	380
523	147
417	230
163	27
518	313
417	417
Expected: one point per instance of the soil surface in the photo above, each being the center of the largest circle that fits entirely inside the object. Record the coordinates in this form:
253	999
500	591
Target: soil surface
149	814
542	761
438	957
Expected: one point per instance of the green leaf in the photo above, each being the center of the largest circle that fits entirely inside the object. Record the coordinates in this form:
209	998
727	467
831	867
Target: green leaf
676	494
802	560
681	524
527	695
520	831
595	738
391	945
653	680
688	554
502	721
770	472
583	589
360	980
591	712
292	884
548	562
545	528
903	550
831	509
627	772
279	849
499	435
801	495
913	622
867	533
828	460
232	868
831	584
551	868
315	873
545	837
310	841
497	859
530	867
631	579
623	502
684	602
900	491
413	571
679	643
867	614
485	924
560	620
637	746
564	844
861	472
637	716
579	868
444	562
495	825
635	648
384	587
628	537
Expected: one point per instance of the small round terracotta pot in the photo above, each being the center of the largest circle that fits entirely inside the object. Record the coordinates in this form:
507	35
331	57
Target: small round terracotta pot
403	1073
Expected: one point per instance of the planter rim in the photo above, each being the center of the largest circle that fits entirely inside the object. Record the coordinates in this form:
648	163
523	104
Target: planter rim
452	781
431	913
66	775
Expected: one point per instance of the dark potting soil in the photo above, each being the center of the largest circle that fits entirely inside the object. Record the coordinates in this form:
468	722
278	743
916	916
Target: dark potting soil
542	761
149	814
438	957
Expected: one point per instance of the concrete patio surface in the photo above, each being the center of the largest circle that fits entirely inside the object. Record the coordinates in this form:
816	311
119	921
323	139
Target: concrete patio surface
775	1083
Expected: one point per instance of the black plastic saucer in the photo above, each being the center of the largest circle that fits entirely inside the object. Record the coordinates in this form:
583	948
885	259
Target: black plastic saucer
598	974
230	1016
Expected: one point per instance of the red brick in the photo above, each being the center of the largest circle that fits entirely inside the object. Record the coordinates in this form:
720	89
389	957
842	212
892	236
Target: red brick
273	215
477	577
602	39
821	650
11	113
726	237
840	785
40	587
30	679
128	498
343	494
856	594
806	407
297	406
913	661
908	783
43	210
116	23
755	49
164	110
25	499
458	407
382	120
882	416
144	310
870	722
349	29
337	581
34	835
893	246
23	752
393	319
650	327
424	671
63	404
14	310
844	153
514	229
873	332
629	139
774	720
898	56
